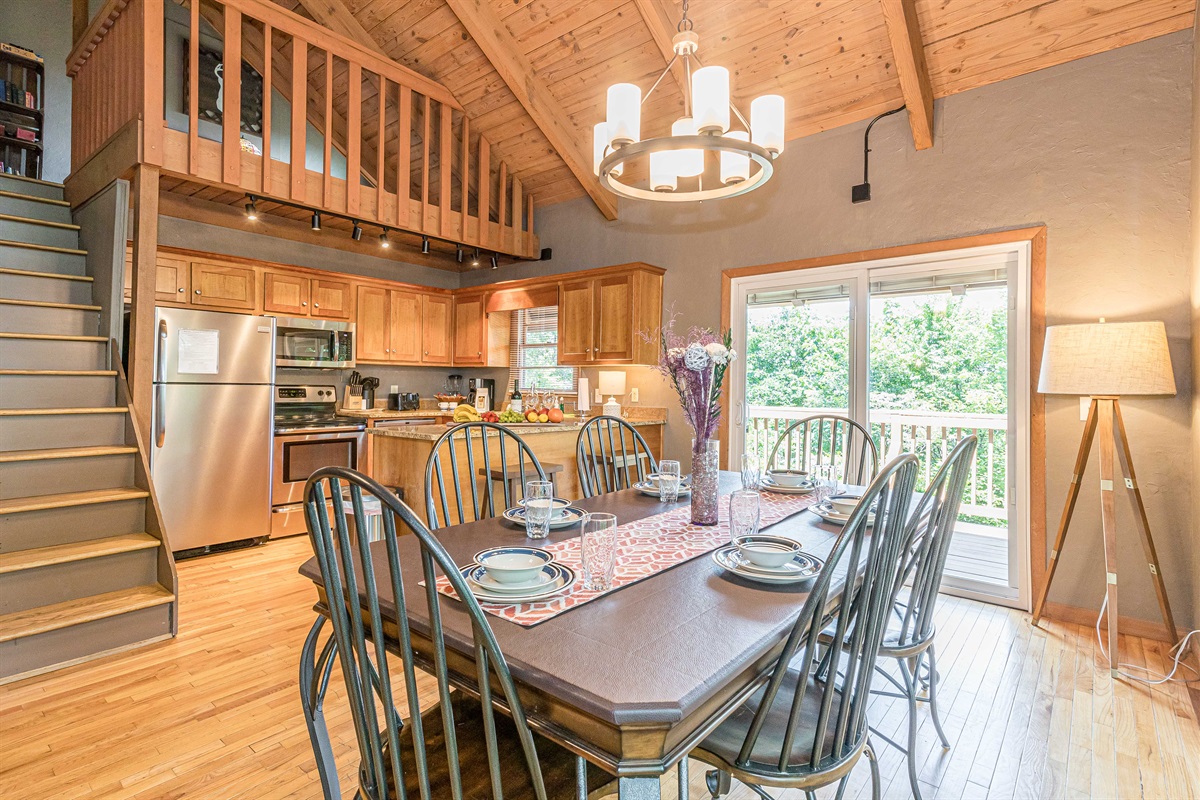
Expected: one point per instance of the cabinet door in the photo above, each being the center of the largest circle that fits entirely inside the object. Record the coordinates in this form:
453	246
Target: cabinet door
435	329
285	293
330	299
575	325
405	326
222	286
170	280
614	319
373	324
470	327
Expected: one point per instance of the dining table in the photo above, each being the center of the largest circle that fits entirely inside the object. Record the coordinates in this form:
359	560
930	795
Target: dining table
634	679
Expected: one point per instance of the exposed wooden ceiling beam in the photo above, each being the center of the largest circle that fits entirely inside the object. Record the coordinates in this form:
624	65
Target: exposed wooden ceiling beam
334	14
508	59
908	51
657	17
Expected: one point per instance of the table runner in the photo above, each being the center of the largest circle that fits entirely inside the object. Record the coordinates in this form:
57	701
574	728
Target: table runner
645	547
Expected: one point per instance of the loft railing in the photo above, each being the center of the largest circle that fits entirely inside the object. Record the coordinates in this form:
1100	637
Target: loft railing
322	121
927	435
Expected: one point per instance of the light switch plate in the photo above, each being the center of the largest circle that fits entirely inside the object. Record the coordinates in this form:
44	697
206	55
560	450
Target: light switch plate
599	398
633	395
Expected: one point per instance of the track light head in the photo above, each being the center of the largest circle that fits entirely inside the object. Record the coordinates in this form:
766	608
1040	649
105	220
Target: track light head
316	221
383	240
458	254
475	258
251	209
425	245
495	262
356	234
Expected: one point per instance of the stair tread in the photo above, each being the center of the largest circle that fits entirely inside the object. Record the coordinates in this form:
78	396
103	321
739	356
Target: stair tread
49	453
75	551
67	226
32	180
84	609
49	412
47	247
30	273
47	200
17	505
57	337
47	304
79	373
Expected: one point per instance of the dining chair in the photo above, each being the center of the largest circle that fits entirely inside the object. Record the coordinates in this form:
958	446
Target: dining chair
910	636
460	748
453	467
827	439
608	452
801	731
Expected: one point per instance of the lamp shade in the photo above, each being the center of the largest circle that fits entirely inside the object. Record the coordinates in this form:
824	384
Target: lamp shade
687	162
624	113
735	167
662	171
766	122
600	140
710	99
1113	358
611	383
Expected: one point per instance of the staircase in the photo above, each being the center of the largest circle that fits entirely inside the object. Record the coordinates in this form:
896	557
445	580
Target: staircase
84	568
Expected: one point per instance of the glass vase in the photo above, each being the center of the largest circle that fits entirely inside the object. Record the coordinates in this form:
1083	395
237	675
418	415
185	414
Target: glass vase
706	456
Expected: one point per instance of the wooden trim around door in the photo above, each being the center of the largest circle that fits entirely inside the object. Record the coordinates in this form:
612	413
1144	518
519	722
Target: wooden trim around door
1036	236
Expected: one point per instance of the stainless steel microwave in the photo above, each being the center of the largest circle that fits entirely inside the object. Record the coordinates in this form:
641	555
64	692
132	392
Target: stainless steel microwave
314	343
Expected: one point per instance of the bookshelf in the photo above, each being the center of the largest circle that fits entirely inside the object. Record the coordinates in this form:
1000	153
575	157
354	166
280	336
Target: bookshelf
22	103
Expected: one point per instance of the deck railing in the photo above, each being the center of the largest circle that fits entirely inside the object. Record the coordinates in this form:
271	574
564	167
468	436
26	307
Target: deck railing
930	436
395	148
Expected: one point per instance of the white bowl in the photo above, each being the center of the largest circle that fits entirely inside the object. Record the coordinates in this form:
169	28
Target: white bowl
559	506
844	503
771	552
788	477
513	564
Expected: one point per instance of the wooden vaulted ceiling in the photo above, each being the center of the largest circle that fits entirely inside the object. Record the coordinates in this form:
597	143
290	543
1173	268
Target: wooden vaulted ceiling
531	75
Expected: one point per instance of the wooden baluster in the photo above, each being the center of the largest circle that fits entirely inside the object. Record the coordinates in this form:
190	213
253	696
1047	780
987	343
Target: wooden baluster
380	147
501	209
445	157
404	158
299	117
517	207
327	167
991	471
354	140
152	81
268	49
193	111
425	167
527	242
231	109
464	170
485	191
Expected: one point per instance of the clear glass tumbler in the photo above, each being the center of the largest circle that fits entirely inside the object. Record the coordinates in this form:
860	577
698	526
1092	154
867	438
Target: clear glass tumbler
668	481
598	551
539	505
751	471
744	513
825	481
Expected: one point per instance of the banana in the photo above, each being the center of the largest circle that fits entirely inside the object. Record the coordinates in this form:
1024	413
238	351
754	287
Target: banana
466	413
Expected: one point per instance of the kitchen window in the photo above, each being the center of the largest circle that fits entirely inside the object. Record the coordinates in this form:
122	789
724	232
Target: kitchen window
533	352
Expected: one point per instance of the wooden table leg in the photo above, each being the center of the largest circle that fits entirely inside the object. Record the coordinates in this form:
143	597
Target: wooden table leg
1108	523
639	789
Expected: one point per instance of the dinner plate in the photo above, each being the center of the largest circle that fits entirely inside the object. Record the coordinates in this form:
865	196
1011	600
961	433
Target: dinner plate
651	489
801	568
570	516
479	578
565	578
559	505
770	486
826	512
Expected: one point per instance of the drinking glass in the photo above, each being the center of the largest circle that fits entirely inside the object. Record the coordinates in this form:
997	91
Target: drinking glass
668	481
751	472
744	510
598	551
539	505
825	481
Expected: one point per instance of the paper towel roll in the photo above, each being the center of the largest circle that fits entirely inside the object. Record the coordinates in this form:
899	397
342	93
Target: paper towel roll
582	402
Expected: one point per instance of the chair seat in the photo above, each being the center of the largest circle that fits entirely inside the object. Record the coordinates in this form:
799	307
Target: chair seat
726	741
558	765
514	470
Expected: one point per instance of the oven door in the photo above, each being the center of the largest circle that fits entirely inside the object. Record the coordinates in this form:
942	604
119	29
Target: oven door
298	455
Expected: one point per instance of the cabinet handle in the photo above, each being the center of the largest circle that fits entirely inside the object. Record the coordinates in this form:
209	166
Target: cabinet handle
479	353
316	305
426	352
197	291
303	303
181	288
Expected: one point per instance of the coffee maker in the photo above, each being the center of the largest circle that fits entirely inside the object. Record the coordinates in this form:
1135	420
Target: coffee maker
473	387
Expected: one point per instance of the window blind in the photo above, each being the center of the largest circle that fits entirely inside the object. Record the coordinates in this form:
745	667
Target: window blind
533	352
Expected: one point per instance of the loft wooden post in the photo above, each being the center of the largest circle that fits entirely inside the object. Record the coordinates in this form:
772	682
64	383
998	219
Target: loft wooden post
1108	522
141	320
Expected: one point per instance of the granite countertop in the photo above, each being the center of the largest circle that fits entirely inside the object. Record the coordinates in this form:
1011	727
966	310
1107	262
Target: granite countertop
432	432
383	413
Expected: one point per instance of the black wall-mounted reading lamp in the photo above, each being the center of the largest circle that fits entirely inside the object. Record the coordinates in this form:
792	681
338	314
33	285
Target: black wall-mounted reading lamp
862	192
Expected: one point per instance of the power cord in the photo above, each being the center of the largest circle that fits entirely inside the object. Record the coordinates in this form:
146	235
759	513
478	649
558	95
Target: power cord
1179	650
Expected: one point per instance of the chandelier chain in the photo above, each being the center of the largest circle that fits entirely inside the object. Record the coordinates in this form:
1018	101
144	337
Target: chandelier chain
685	24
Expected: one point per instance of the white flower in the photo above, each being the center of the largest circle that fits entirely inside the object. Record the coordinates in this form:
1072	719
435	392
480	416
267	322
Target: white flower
732	355
696	358
717	352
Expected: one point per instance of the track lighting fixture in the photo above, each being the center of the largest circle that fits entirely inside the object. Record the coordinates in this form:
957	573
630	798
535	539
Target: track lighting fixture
316	221
495	262
383	240
458	253
425	245
251	209
356	234
475	258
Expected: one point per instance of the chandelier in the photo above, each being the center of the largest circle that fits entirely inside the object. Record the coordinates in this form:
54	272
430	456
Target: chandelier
675	164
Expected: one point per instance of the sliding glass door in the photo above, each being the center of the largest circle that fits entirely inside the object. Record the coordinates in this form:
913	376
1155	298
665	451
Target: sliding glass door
921	352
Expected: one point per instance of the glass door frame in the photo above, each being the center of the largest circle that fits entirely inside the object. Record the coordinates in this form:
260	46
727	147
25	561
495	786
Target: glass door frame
858	277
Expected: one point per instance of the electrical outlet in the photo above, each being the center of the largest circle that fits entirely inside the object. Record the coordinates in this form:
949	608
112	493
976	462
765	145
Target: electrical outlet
633	395
599	398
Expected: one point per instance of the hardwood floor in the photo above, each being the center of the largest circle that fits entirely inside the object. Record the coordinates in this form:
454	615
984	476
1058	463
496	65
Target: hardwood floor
214	714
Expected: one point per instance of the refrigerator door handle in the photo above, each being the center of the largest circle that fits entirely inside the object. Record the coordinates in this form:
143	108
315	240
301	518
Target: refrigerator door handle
160	368
160	402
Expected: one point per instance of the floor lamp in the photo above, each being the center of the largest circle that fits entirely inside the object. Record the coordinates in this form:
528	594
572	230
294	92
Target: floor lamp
1106	361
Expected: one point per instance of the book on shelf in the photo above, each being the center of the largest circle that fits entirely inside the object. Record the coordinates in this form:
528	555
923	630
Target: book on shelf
23	52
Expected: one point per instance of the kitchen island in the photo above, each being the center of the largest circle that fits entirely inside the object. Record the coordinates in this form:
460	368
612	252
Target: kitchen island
398	455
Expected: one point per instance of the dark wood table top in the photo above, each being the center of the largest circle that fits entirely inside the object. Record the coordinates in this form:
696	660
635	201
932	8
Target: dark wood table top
648	655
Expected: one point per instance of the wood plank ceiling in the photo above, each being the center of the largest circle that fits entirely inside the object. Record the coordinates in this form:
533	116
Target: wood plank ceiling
832	60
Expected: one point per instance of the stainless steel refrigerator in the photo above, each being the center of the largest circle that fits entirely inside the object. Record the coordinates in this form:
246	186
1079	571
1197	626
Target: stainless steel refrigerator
211	424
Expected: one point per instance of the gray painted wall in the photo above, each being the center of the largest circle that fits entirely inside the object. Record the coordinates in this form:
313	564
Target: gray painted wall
1097	150
100	219
47	33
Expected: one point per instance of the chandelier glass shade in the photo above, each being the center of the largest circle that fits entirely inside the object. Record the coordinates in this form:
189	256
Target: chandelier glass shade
675	168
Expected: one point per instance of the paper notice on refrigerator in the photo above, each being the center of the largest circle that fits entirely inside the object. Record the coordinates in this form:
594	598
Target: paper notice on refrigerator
198	352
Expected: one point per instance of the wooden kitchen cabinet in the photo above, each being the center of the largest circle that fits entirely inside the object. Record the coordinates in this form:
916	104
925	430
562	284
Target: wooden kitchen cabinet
391	325
170	279
373	330
331	299
405	326
470	331
436	331
285	293
600	319
222	286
